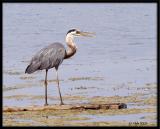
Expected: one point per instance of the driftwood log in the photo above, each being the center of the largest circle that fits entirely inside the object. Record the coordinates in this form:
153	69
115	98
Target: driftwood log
67	107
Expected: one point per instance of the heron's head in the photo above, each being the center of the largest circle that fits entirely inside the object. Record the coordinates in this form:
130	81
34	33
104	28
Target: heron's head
77	33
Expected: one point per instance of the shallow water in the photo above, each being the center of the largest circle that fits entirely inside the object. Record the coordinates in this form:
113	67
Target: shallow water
123	53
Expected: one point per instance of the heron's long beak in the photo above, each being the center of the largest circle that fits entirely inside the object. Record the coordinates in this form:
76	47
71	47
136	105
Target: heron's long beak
87	34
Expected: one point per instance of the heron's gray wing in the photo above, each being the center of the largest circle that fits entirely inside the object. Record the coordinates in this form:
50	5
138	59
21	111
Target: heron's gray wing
49	57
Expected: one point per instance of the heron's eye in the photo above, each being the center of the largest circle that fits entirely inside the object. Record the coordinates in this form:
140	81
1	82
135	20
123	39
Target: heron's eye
78	32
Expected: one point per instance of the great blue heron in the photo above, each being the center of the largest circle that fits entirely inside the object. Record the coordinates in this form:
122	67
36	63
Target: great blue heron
53	55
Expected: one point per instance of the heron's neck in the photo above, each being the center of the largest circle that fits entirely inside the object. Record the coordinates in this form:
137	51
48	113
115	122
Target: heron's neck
71	49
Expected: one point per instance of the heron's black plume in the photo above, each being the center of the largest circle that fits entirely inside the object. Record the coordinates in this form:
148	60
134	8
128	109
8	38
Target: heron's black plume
71	30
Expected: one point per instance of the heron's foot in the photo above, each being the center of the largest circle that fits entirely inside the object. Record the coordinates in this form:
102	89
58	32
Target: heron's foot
46	104
61	103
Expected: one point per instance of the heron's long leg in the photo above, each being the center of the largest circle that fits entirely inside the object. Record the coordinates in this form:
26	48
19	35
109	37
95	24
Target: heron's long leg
59	89
45	83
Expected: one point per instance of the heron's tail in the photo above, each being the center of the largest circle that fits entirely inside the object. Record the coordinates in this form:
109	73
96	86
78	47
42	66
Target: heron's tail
30	69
